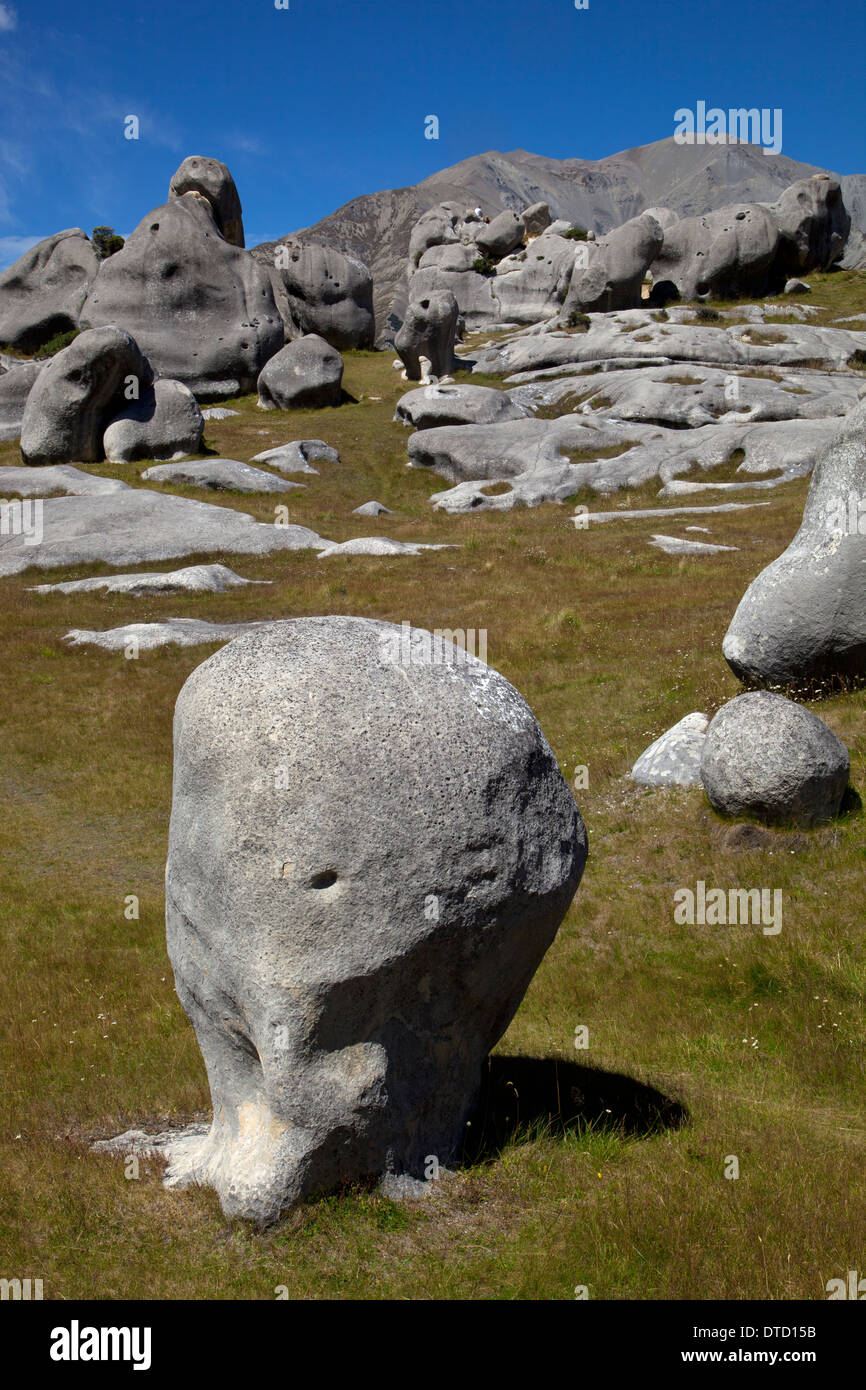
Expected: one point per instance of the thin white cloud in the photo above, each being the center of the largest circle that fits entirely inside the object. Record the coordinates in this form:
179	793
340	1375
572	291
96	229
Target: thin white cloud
11	247
8	19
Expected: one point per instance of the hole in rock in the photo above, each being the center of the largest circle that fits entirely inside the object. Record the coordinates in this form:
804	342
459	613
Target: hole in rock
326	879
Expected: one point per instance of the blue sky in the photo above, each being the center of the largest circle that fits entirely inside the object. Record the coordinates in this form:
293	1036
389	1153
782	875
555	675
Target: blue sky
312	105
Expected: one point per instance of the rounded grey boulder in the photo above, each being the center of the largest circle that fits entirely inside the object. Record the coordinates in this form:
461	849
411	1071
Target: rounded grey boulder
78	392
371	848
164	423
211	179
43	292
428	330
431	406
768	757
305	374
803	618
502	235
536	219
324	292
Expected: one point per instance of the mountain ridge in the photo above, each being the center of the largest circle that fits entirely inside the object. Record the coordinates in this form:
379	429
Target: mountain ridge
598	194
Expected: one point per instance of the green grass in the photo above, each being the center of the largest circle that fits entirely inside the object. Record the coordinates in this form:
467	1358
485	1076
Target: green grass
611	642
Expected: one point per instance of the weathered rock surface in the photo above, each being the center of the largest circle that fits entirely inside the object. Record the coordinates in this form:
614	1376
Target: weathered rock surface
674	760
536	219
429	330
41	295
676	545
221	475
201	309
347	972
77	393
319	290
373	508
211	180
378	545
58	477
135	527
768	757
803	619
164	423
431	406
16	383
295	457
610	273
194	579
502	235
305	374
147	637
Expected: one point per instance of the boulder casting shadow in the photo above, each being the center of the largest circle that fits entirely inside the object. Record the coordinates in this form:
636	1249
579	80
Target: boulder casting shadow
518	1094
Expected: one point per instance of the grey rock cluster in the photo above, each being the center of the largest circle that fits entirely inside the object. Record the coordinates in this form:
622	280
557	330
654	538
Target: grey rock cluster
97	398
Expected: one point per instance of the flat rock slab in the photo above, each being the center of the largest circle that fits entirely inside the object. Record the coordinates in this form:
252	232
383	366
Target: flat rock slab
674	545
226	475
136	526
181	632
194	579
674	760
56	477
378	545
218	412
582	518
296	456
431	406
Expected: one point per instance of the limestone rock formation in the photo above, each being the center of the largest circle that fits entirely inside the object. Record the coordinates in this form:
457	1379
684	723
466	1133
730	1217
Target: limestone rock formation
78	392
42	294
768	757
305	374
429	330
201	309
803	619
210	179
355	906
164	423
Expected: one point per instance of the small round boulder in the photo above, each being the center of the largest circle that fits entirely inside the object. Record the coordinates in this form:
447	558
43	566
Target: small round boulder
768	757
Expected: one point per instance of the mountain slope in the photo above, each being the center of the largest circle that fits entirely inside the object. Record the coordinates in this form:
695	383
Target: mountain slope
601	194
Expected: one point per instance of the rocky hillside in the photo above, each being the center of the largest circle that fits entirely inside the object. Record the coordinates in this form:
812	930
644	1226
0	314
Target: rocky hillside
601	194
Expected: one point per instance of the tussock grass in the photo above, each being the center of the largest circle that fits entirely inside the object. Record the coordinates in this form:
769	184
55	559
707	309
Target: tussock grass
760	1039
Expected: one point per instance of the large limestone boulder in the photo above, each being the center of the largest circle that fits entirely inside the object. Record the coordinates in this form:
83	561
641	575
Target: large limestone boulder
536	219
212	180
502	235
16	383
437	227
768	757
78	392
43	292
305	374
319	290
358	893
803	619
431	406
164	423
610	271
202	310
429	330
725	254
814	225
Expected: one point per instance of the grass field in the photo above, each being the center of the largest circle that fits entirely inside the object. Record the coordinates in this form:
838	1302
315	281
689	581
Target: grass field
755	1043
